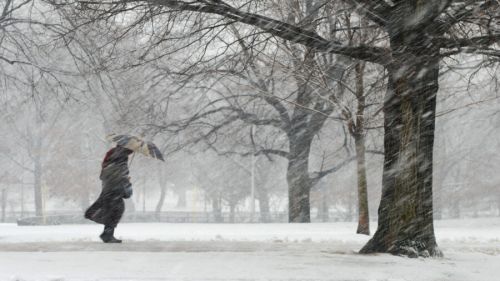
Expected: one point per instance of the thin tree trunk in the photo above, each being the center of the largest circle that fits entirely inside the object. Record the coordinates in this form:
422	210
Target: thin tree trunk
38	178
264	205
22	196
216	209
143	195
405	224
163	192
498	204
4	203
232	207
363	211
359	141
161	200
38	159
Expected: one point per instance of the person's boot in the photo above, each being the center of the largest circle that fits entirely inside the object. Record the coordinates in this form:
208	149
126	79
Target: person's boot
107	235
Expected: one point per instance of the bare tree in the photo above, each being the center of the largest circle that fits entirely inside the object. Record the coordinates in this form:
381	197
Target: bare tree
417	36
358	113
290	117
12	50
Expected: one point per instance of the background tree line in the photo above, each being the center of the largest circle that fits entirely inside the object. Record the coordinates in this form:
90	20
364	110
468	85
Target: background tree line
319	84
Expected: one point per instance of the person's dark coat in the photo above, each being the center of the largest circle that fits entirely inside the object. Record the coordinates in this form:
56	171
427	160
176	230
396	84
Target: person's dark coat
109	207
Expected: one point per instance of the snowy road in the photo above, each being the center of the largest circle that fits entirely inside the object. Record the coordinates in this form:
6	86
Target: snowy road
239	252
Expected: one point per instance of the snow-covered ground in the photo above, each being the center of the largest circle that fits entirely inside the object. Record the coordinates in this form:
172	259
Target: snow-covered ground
239	252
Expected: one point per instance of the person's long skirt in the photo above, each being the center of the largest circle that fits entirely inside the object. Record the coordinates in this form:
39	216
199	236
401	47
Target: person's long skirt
107	209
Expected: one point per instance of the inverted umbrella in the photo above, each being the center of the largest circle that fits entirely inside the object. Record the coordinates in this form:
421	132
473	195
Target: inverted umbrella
137	144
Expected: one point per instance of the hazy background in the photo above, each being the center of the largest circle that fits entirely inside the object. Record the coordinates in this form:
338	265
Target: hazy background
57	110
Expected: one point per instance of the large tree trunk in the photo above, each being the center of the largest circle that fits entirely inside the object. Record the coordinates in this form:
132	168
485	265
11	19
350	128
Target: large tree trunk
299	182
405	225
363	212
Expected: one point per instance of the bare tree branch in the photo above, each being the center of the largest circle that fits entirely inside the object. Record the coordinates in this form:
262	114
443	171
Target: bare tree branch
462	10
480	41
277	28
318	175
377	11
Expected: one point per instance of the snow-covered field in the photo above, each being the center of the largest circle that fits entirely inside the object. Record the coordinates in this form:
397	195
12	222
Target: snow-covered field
239	252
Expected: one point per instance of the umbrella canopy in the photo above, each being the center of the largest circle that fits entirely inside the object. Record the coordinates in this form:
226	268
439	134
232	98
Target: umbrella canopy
136	144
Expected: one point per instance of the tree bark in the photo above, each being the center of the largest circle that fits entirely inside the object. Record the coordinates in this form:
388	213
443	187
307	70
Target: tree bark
299	182
405	225
359	142
363	211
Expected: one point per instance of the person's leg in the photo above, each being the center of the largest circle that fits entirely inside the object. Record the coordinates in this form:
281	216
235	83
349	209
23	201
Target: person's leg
107	235
114	212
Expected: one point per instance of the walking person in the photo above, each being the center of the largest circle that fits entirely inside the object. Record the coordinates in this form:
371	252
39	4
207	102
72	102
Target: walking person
109	207
116	186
